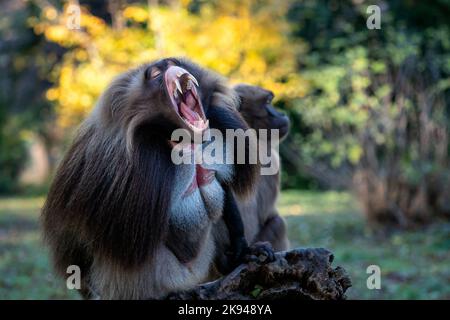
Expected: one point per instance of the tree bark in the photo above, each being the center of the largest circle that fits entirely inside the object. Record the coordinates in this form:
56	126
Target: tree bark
295	274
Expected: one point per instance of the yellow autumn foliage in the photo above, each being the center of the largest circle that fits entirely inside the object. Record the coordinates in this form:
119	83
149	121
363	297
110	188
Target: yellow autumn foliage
232	38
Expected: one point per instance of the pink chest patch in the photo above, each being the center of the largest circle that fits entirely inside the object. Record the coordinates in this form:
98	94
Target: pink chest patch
202	178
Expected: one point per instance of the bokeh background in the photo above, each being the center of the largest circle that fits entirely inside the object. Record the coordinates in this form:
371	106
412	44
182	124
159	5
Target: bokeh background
366	165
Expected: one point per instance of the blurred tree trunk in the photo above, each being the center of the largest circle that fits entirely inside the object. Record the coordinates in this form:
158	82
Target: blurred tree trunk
406	182
115	8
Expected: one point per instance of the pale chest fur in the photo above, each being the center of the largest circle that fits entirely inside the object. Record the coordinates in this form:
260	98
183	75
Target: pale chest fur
197	196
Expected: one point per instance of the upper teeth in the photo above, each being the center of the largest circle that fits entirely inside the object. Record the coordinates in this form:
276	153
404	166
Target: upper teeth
188	84
191	77
177	84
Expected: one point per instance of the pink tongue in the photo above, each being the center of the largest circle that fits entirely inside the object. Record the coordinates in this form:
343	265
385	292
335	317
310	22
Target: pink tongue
188	113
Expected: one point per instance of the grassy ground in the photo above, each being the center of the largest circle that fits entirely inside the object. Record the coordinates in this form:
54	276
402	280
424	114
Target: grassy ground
24	268
414	264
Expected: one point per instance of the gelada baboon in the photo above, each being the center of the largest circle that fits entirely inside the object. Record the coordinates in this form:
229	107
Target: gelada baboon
261	220
136	224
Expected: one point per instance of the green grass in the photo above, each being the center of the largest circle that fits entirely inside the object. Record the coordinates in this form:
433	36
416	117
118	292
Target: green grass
25	272
414	264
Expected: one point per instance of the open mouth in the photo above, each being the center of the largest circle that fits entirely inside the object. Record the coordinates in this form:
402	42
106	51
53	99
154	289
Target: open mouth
181	86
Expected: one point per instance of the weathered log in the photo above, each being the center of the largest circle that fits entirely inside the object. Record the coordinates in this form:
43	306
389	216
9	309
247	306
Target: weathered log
294	274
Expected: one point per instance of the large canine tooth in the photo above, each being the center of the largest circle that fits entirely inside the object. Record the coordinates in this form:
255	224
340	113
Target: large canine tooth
180	73
177	83
194	80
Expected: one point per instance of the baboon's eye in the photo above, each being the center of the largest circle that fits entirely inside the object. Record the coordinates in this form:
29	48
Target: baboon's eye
154	72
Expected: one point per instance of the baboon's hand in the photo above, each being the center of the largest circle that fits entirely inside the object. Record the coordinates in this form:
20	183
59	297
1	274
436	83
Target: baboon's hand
260	252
